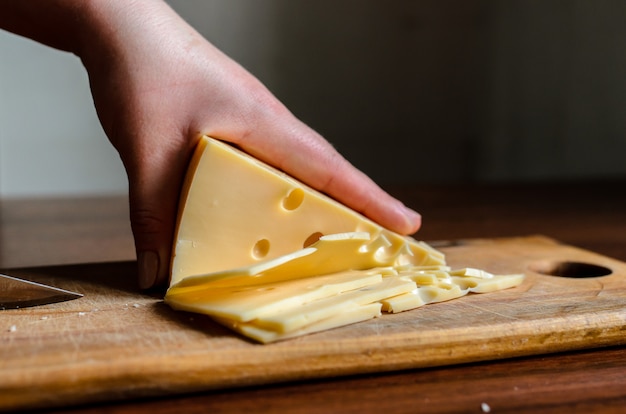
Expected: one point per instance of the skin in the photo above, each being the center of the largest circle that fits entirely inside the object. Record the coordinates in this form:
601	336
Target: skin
158	86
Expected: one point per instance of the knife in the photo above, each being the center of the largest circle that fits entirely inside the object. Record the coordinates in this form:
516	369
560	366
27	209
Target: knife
19	293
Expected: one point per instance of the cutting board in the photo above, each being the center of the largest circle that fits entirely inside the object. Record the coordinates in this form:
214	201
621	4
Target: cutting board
117	343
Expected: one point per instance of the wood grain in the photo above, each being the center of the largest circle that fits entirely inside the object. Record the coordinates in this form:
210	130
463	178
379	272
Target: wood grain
591	215
575	382
117	343
53	231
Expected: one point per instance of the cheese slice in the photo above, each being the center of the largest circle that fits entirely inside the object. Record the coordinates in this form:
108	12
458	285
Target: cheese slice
244	303
281	299
309	313
492	284
263	335
330	254
237	211
439	285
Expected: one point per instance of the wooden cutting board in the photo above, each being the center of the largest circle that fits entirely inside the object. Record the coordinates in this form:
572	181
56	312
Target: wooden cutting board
117	343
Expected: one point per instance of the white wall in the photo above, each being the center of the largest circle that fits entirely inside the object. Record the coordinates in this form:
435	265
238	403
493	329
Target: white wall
51	142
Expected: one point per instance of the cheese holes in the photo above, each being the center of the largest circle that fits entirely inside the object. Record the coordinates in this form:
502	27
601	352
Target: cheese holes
261	249
312	239
294	199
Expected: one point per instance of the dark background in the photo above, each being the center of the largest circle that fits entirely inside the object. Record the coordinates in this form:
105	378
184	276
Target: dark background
447	91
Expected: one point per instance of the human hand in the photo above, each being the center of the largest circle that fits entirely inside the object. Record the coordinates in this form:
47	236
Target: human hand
158	86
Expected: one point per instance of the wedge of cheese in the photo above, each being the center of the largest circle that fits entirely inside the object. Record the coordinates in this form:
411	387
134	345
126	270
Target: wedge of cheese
236	211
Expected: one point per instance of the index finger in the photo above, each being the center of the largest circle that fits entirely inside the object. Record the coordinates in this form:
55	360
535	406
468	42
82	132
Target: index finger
307	156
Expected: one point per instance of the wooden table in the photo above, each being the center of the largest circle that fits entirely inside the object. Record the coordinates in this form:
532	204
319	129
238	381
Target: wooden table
591	215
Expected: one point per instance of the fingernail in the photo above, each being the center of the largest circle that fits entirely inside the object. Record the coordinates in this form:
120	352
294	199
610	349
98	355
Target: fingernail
148	267
413	218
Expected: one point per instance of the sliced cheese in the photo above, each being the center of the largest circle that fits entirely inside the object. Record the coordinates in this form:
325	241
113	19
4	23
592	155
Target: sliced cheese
327	255
288	307
496	282
404	302
471	272
423	295
442	286
312	312
236	211
258	333
244	303
330	254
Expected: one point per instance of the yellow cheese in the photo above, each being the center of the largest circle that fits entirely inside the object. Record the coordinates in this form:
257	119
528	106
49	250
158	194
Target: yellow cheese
273	259
236	211
422	296
496	282
358	314
279	302
442	286
431	277
299	317
330	254
471	272
404	302
244	303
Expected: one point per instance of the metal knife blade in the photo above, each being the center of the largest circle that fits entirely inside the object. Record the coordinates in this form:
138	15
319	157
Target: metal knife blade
18	293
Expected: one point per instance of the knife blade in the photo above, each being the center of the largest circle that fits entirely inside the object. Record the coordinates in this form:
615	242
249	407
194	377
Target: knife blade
18	293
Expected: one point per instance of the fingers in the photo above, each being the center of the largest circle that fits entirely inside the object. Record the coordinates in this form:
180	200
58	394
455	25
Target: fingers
156	168
295	148
156	171
155	104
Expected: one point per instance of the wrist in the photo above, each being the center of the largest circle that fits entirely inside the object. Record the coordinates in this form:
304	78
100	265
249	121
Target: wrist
82	27
114	30
55	23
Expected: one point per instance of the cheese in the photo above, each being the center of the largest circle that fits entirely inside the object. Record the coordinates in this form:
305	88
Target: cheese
423	295
271	258
244	303
495	283
290	308
236	211
282	298
309	313
359	314
330	254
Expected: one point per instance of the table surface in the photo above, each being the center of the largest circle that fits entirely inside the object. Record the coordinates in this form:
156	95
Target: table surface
591	215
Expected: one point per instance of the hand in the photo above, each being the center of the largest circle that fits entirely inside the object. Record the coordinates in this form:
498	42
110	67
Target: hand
158	86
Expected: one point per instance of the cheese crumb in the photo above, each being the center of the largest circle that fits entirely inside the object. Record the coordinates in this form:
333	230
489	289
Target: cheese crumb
12	328
485	408
81	313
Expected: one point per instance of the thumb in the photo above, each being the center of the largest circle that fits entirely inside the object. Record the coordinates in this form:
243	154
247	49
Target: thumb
154	181
152	232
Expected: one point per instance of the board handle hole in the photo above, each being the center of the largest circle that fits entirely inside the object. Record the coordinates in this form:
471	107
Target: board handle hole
576	270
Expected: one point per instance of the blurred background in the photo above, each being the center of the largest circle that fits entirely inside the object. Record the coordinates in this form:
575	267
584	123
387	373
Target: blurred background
409	91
